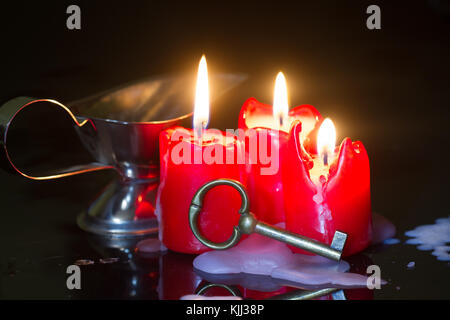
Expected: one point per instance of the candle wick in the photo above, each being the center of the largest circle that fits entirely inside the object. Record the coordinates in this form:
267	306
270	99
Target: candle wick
199	131
281	121
325	158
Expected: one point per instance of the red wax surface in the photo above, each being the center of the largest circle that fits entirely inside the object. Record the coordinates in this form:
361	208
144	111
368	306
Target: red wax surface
266	190
145	202
180	181
345	203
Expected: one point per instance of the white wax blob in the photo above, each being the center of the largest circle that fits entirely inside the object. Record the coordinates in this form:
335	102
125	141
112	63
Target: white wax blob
391	241
432	237
199	297
264	256
318	170
150	245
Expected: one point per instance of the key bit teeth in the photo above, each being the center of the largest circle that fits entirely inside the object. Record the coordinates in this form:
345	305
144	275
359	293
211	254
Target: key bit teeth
339	240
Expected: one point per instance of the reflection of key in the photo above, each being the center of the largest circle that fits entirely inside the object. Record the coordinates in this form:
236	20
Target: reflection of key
336	293
249	224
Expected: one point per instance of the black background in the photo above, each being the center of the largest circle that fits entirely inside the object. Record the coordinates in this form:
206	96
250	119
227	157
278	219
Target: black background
388	88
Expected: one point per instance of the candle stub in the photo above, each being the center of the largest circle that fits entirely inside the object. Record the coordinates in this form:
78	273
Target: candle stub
323	192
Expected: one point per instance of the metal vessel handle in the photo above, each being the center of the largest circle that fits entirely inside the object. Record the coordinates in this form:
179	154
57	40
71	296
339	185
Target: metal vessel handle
8	113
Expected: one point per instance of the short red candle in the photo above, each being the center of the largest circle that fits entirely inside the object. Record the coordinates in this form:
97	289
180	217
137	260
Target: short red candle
180	181
338	201
266	190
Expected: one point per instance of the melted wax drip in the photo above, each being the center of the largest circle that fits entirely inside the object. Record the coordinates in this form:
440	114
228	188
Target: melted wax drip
264	256
150	245
432	237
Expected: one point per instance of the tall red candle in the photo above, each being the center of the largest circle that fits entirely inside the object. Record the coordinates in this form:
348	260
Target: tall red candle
264	185
189	158
186	165
321	199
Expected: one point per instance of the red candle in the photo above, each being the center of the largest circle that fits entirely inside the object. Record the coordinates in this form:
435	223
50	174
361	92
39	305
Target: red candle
188	159
179	182
328	191
270	126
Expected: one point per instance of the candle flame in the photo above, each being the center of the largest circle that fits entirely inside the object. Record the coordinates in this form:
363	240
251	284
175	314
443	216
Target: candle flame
326	141
280	101
201	106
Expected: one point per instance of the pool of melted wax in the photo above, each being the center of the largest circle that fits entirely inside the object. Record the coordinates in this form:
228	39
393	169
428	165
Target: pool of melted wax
253	282
264	256
432	237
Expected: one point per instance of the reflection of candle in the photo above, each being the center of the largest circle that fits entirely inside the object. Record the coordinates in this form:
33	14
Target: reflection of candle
190	158
271	125
326	193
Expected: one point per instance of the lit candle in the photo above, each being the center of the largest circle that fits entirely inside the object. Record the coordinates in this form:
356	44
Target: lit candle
269	127
255	114
326	143
189	158
324	193
201	105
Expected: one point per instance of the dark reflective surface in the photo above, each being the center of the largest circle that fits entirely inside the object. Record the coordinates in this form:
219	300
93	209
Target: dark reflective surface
387	88
45	240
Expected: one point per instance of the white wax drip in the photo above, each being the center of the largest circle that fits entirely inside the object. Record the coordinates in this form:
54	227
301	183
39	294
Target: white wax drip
320	170
150	245
264	256
433	237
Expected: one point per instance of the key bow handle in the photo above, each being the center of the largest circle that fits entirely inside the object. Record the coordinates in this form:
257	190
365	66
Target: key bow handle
246	223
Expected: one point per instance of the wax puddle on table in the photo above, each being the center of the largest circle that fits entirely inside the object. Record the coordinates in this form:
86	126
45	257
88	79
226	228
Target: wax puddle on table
433	237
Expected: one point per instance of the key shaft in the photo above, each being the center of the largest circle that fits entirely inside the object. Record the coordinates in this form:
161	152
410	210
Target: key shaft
249	224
